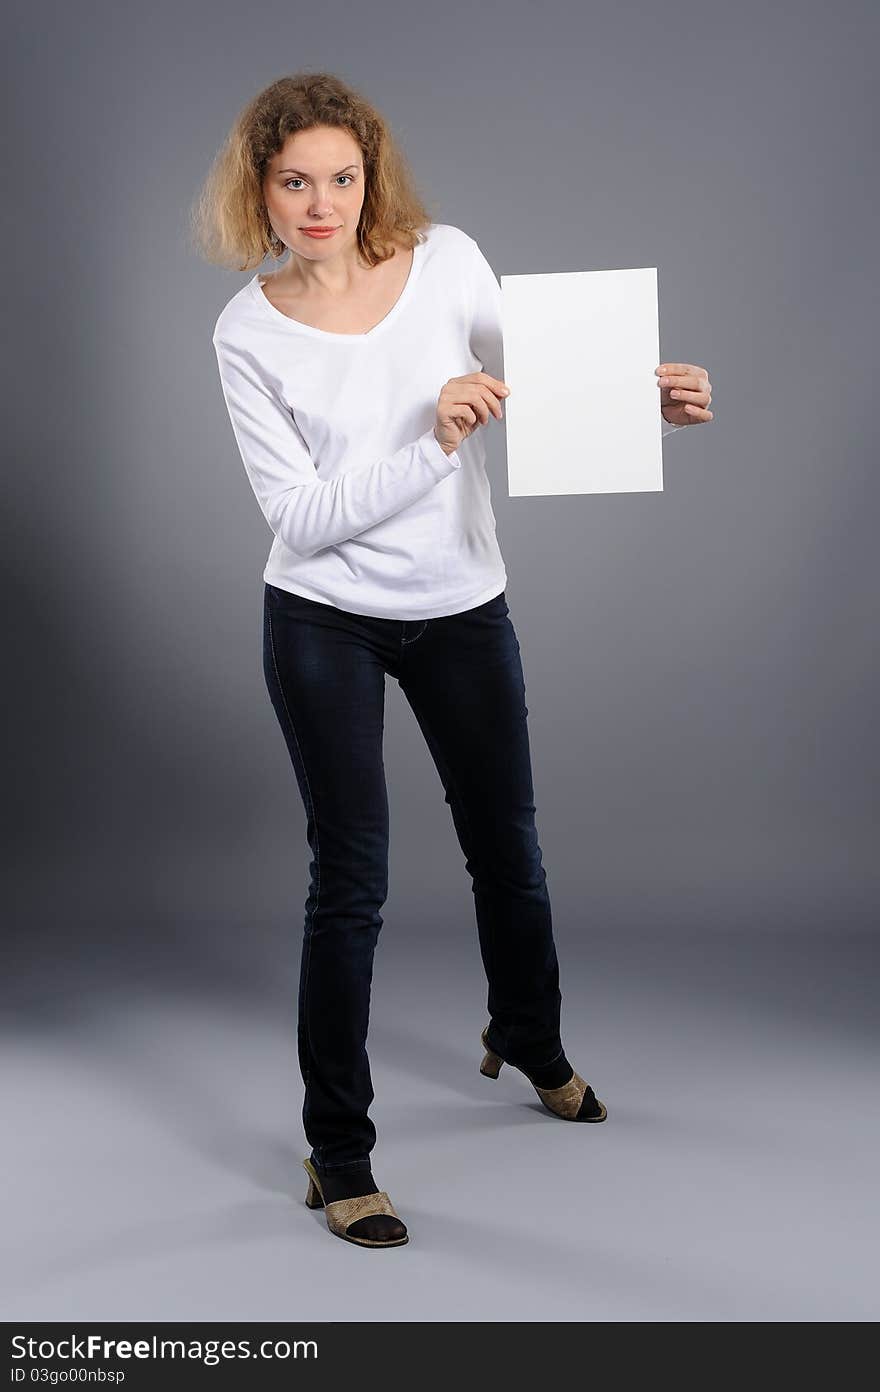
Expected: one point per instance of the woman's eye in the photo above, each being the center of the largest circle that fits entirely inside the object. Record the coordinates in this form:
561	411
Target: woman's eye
350	177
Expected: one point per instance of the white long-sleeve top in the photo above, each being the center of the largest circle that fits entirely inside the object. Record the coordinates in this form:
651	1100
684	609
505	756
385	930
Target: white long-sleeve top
336	433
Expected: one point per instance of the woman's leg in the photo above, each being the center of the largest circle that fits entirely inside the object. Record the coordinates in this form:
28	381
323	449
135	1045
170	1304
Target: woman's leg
327	687
463	678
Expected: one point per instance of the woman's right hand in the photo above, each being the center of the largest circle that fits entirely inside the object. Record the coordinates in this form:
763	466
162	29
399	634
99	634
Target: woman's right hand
464	403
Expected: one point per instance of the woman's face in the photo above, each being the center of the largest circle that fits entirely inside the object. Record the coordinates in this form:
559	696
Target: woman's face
316	180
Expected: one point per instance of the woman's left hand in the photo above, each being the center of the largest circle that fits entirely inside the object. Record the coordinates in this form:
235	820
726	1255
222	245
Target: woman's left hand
685	393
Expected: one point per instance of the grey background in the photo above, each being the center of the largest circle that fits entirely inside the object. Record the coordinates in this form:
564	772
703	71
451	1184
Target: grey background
701	670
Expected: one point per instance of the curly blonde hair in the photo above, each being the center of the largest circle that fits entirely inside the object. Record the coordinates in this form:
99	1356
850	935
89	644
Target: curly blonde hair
229	225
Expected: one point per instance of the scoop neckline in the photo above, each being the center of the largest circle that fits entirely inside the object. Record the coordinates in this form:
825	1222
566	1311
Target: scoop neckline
297	326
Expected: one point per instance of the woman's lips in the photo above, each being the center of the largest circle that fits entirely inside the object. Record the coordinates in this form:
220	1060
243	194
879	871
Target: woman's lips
314	232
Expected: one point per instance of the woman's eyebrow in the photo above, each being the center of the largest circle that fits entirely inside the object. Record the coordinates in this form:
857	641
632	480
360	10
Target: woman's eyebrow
308	176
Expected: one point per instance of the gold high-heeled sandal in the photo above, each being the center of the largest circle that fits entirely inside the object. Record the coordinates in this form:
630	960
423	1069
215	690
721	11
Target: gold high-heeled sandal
341	1213
565	1101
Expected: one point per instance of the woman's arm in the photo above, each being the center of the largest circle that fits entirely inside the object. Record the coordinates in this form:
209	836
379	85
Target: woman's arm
306	512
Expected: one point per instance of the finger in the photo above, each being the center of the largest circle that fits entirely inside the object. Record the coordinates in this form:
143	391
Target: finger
479	396
682	380
702	398
698	413
499	387
479	404
486	398
671	369
493	403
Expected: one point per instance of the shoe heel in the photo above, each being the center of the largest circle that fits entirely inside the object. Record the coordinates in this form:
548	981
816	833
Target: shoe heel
313	1198
491	1065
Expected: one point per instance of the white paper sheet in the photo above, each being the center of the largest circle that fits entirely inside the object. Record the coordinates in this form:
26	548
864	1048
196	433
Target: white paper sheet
580	349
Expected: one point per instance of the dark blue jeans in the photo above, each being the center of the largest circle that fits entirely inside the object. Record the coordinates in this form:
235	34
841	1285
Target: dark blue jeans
325	669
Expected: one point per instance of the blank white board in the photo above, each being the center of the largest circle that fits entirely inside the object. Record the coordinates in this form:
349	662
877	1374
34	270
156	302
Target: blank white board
580	349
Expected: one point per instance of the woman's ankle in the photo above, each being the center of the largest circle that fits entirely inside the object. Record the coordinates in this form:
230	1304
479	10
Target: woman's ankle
346	1181
552	1074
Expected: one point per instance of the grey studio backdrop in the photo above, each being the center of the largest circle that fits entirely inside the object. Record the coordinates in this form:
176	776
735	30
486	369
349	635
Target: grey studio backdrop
701	676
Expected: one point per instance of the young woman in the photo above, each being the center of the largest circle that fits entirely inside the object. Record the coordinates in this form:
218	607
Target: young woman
357	377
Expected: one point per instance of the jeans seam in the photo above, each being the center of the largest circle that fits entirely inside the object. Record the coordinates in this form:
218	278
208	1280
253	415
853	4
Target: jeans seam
453	783
314	816
454	794
453	787
404	640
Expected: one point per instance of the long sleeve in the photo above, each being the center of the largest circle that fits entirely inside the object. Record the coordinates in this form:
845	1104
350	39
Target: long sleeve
487	340
308	513
486	330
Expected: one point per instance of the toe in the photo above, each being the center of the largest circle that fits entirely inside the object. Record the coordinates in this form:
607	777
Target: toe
378	1227
591	1109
